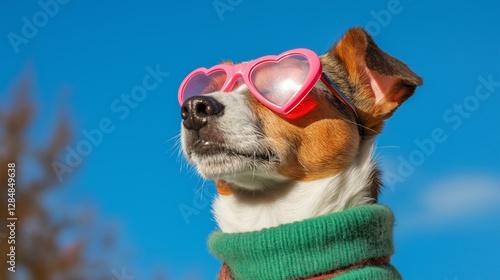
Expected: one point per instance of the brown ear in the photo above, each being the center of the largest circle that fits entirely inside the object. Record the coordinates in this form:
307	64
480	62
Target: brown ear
381	83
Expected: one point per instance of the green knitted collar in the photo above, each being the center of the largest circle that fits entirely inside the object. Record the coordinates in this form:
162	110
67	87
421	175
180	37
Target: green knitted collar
308	247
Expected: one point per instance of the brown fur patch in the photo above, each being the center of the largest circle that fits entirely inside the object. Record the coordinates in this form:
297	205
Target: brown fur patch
376	82
324	141
319	144
223	188
366	64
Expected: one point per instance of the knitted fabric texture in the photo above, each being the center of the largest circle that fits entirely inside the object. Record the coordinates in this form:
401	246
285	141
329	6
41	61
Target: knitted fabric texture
311	247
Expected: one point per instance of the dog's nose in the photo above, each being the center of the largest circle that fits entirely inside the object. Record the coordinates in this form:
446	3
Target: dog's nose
197	110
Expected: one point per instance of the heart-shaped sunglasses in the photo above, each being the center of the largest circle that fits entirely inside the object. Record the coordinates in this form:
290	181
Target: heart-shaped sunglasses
279	82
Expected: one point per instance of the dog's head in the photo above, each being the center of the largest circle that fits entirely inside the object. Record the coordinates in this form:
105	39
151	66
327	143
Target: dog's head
233	138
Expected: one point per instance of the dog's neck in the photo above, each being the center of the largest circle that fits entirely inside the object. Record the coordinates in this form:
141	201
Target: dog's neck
296	201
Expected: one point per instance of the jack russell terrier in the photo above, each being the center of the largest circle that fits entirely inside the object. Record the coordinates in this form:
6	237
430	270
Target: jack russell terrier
289	141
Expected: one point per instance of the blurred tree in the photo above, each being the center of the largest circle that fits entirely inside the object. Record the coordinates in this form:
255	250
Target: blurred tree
40	252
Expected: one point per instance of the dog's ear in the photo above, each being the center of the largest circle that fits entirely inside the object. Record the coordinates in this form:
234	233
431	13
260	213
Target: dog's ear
380	83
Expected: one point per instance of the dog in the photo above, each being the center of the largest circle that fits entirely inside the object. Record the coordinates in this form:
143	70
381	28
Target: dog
290	148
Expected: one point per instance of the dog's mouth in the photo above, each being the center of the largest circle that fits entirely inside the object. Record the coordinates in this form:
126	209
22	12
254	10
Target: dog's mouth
210	149
217	160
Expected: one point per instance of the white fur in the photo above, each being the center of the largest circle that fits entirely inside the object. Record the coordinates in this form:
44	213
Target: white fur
265	198
238	127
295	201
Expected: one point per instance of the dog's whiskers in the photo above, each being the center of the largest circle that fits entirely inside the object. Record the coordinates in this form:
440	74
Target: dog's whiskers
360	125
177	136
177	146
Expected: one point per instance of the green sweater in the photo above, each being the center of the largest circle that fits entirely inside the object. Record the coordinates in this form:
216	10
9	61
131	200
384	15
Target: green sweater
312	247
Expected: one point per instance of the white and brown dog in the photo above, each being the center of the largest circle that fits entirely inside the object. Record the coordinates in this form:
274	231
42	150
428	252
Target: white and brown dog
272	170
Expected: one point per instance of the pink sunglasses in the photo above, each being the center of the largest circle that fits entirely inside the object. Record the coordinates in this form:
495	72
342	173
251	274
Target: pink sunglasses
279	82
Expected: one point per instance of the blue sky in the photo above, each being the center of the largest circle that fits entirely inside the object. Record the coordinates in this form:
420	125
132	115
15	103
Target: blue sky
440	150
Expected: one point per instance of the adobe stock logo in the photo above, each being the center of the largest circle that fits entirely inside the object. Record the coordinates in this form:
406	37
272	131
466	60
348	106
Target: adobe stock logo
382	18
223	6
121	108
31	26
122	275
454	118
200	201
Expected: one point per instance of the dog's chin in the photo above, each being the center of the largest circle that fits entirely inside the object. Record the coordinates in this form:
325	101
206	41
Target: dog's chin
244	170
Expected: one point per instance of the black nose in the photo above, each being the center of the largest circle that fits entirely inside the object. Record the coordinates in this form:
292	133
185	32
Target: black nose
197	110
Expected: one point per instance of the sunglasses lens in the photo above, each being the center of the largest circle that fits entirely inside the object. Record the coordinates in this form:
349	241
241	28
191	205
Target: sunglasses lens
280	81
202	83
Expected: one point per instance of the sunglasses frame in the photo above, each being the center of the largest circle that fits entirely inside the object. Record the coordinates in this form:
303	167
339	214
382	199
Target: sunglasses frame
244	70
